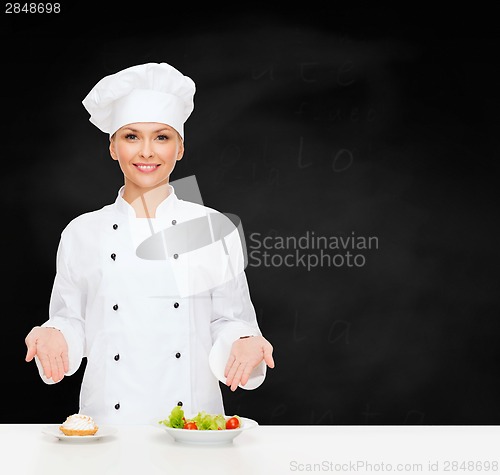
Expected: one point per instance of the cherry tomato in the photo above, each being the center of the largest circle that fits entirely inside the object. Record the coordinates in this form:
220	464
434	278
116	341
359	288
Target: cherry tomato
190	426
232	423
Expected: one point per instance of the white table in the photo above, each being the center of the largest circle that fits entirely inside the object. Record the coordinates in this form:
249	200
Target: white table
267	450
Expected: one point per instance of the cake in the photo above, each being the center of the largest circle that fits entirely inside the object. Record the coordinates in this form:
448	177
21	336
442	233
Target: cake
78	425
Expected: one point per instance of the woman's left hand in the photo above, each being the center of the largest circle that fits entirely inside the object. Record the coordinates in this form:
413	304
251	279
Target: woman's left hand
246	354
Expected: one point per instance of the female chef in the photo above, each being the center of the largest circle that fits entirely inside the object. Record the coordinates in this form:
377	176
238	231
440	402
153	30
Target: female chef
159	321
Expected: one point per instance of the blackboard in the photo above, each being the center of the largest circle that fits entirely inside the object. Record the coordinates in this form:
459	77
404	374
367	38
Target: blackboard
359	149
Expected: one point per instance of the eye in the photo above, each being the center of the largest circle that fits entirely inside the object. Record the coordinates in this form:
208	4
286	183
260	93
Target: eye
162	137
130	136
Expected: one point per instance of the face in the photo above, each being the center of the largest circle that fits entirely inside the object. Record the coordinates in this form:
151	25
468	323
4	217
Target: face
147	153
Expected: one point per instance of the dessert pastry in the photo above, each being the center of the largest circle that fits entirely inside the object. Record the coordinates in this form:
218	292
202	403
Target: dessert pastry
78	425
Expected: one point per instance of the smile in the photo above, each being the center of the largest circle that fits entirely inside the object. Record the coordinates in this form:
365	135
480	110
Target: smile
146	167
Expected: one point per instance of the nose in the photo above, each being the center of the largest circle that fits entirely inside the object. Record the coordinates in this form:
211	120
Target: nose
147	150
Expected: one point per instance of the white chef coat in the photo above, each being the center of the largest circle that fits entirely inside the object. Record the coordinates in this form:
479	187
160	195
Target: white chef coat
149	346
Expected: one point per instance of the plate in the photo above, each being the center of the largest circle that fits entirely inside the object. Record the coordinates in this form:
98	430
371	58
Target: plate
208	437
101	433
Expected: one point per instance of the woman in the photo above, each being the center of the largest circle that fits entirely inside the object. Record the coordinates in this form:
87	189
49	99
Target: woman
158	325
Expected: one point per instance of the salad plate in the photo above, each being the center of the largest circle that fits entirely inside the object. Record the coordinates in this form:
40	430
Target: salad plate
101	433
208	437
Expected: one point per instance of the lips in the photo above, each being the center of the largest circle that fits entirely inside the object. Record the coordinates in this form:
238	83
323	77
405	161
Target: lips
146	167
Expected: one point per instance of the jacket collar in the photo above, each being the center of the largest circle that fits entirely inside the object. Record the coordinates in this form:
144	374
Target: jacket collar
164	208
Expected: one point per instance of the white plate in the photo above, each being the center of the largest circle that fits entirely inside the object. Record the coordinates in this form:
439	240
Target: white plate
100	434
208	437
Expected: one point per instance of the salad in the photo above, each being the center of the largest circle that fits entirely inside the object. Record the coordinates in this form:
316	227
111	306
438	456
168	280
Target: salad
202	421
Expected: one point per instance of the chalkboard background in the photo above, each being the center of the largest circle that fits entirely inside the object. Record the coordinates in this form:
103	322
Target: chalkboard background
332	123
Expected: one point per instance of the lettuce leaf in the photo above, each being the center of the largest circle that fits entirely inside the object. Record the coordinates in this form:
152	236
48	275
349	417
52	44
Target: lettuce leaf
206	421
175	419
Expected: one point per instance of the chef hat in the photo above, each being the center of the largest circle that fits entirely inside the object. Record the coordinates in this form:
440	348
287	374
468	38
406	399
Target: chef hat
152	92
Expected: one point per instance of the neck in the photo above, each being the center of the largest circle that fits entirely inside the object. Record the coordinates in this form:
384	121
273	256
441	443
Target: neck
146	201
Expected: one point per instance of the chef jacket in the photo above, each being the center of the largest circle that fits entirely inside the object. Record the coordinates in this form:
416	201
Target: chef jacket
149	342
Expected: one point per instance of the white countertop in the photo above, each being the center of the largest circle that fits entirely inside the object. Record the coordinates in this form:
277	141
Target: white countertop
267	450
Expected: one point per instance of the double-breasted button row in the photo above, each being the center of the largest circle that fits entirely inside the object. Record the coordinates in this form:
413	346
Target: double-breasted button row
176	305
115	307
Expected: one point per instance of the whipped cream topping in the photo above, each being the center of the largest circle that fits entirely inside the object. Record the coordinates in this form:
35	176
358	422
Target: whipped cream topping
79	422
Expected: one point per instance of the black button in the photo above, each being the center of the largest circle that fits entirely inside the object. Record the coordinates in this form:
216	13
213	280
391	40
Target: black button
174	221
117	406
113	256
176	256
179	403
115	307
115	226
177	355
176	305
117	357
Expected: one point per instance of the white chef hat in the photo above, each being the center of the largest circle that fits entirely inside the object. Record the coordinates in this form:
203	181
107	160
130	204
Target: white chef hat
152	92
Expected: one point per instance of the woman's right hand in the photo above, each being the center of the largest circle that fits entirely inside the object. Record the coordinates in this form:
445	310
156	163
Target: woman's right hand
50	346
